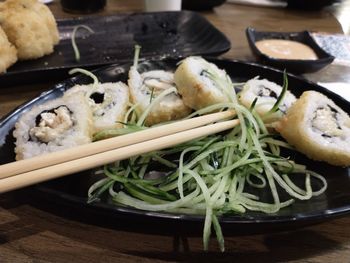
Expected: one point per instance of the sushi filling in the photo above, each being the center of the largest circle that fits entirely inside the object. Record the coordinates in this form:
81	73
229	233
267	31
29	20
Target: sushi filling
266	92
207	75
155	82
51	124
325	121
100	103
158	84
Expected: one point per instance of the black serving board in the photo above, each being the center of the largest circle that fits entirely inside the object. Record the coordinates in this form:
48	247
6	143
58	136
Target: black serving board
160	34
71	191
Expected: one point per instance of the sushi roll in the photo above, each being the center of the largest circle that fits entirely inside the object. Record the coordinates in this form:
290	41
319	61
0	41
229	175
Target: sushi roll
108	103
52	126
317	127
196	80
8	53
266	93
146	86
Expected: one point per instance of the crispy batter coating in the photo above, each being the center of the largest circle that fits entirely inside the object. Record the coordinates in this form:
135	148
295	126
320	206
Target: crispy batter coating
142	86
195	85
8	53
30	26
318	128
44	12
266	94
108	102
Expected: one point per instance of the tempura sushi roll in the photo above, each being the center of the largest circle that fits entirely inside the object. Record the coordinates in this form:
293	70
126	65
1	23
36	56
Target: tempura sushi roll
196	80
108	103
145	87
318	128
266	93
52	126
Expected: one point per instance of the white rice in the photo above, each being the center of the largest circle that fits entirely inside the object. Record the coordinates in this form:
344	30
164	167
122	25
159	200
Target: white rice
80	133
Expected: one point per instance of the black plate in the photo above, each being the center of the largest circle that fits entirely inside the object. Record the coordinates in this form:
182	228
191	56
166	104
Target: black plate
72	190
296	66
163	33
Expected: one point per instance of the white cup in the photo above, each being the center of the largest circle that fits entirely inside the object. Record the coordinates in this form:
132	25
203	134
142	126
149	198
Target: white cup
162	5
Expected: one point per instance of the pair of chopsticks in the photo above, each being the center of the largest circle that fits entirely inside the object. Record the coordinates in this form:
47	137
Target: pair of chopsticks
42	168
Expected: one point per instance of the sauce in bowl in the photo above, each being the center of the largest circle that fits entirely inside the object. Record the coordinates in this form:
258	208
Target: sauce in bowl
286	49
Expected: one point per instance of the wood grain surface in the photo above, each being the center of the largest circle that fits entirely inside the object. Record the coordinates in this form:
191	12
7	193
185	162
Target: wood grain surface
33	230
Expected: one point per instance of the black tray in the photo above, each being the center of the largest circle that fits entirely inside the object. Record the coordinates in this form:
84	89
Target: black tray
72	190
166	34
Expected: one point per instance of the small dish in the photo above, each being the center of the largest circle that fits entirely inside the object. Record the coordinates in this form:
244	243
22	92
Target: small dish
292	65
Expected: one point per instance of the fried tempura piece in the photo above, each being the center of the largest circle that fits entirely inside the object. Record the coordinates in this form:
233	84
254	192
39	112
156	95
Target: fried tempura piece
195	79
266	94
44	12
8	53
317	127
147	86
28	27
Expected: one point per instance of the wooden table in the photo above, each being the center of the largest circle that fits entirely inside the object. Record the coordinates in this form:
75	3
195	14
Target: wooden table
32	234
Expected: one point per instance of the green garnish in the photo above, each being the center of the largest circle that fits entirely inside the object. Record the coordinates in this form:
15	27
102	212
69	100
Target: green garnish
216	175
136	55
282	95
87	73
151	96
74	44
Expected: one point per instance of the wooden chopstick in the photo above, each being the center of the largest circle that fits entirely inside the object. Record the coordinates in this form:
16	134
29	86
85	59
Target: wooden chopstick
88	162
50	159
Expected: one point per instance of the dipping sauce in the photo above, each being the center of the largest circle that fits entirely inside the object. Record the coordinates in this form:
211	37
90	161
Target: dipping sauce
285	49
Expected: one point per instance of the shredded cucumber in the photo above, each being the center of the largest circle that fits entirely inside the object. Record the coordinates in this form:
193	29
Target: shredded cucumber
212	176
74	44
87	73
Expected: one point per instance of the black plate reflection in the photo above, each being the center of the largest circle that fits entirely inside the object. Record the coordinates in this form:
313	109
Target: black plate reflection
166	34
72	190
